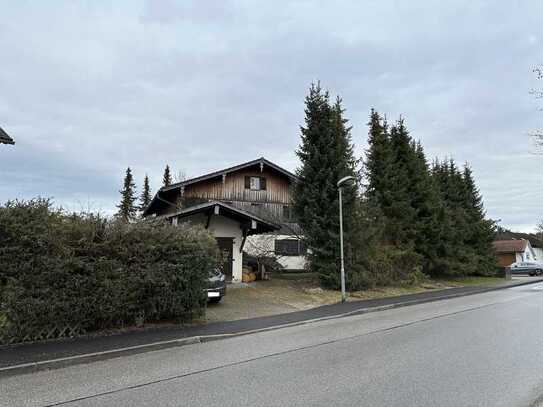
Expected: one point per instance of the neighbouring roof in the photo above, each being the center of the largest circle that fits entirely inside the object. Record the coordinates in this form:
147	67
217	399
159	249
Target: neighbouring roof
534	240
5	138
164	192
238	167
262	225
510	246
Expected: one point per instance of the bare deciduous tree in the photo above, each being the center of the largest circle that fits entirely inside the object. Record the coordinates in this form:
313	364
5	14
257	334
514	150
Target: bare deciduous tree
539	230
537	135
179	176
262	247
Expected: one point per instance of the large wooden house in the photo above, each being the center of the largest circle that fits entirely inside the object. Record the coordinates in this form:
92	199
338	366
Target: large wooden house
247	207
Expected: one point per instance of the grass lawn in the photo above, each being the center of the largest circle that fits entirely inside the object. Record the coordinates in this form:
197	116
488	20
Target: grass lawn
473	280
428	285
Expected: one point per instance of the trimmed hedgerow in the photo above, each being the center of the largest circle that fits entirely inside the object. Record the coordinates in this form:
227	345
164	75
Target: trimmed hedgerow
88	273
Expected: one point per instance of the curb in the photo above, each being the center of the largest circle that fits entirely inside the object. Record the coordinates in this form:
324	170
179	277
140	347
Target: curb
132	350
361	311
93	357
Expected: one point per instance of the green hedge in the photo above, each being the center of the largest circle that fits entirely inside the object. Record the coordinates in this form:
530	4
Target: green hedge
84	271
387	266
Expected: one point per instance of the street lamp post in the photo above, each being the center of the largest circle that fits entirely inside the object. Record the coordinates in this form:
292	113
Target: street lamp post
339	184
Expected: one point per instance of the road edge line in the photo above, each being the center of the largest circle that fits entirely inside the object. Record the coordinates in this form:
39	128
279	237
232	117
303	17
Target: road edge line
148	347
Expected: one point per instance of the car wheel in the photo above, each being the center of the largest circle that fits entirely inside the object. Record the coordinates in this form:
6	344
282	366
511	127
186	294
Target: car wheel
539	272
531	274
215	300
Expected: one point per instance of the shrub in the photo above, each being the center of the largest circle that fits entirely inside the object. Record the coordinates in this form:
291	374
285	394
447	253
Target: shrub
84	271
387	266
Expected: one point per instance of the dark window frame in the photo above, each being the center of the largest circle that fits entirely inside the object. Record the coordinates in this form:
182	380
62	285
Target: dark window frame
289	247
261	183
288	213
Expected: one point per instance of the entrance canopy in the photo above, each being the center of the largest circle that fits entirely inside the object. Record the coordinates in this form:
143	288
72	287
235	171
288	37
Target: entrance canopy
249	223
230	226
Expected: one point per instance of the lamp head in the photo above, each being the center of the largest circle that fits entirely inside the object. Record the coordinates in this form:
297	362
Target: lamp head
345	179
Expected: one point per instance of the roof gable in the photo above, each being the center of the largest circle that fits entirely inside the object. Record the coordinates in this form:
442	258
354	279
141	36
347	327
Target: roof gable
535	240
161	196
262	162
510	246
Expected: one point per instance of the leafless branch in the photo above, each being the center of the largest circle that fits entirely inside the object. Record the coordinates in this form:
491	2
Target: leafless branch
537	135
179	176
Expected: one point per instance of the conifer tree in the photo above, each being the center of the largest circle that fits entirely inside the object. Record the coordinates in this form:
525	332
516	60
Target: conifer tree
400	182
400	214
326	155
466	243
426	203
378	164
480	231
167	177
452	253
145	197
127	208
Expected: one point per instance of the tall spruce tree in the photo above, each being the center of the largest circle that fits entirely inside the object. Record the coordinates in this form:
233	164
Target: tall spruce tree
400	183
480	231
167	177
426	203
379	160
127	208
326	155
451	249
466	242
145	197
399	213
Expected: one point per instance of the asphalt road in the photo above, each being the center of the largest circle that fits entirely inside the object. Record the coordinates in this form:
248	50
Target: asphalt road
481	350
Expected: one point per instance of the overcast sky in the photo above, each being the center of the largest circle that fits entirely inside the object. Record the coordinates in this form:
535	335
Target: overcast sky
89	88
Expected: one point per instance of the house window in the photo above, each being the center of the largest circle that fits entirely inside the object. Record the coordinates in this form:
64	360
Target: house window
255	183
288	213
289	247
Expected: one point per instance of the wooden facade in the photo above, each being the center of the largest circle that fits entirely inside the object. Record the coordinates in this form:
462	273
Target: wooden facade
232	188
271	199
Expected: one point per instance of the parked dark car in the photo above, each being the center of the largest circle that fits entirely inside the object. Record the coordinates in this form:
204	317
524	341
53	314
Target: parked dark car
526	267
217	286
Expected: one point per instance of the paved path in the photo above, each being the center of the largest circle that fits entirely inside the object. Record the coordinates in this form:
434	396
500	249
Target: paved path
32	353
481	350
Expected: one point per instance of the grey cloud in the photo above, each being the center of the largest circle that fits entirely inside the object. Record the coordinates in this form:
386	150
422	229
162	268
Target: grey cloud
88	90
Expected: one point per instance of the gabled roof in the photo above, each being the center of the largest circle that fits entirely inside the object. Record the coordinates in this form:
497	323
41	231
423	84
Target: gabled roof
510	246
229	211
534	240
162	194
215	174
5	138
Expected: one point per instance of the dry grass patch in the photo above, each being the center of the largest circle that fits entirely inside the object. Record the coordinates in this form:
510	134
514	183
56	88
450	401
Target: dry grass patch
289	293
